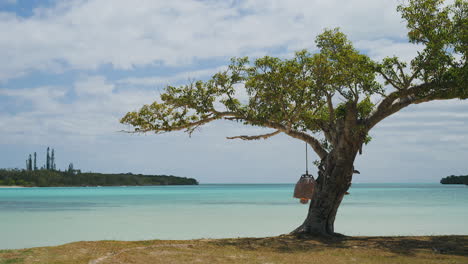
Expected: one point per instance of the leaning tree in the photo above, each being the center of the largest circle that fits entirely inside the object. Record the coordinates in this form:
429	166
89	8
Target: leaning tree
326	98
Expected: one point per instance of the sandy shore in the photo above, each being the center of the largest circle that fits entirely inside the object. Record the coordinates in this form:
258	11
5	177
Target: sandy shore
4	186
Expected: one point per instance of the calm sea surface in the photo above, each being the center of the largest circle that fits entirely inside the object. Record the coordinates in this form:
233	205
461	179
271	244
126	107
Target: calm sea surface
31	217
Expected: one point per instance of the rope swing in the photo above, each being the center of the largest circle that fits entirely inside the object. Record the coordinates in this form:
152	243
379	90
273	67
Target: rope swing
304	188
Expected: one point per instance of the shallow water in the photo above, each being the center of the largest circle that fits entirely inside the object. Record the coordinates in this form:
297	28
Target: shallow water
32	217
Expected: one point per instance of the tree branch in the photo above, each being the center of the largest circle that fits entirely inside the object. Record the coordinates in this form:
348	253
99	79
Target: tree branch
313	142
257	137
390	81
188	126
397	100
404	80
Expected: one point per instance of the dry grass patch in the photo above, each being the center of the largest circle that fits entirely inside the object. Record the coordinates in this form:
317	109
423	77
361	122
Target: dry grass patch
282	249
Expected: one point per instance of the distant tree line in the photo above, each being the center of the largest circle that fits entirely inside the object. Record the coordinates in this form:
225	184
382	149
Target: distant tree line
49	176
53	178
31	165
462	179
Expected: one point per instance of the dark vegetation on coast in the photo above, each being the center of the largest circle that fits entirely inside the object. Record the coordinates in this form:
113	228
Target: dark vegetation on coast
48	175
462	179
48	178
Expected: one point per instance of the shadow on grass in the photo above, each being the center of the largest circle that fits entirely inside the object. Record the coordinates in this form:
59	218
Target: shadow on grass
447	245
408	246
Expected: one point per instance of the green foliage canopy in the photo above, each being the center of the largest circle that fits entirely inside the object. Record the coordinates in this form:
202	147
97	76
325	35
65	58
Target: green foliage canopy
327	92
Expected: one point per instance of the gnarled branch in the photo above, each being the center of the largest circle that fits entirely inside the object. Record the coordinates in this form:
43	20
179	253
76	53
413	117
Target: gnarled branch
398	100
257	137
313	142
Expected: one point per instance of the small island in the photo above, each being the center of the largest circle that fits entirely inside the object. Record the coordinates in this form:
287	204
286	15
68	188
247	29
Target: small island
452	179
45	178
49	176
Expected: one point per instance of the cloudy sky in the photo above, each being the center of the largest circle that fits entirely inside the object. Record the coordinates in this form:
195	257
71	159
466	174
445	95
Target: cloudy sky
71	69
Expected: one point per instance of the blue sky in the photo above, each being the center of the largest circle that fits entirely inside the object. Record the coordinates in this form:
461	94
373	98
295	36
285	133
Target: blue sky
73	68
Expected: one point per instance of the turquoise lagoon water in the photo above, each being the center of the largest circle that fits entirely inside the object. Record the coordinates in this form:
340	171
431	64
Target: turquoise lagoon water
31	217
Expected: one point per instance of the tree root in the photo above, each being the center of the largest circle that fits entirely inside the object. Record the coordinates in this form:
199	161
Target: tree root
303	233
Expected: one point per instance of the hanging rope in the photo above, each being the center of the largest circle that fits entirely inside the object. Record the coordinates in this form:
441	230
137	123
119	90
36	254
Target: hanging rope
307	165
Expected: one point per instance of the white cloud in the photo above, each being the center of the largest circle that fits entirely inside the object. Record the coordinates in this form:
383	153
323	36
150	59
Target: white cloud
93	85
166	80
125	34
44	98
131	35
378	49
95	112
422	124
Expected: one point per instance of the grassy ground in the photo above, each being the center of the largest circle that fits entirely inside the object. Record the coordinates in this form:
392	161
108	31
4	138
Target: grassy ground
282	249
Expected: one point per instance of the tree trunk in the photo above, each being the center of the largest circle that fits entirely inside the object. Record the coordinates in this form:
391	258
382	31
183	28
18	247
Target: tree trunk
334	179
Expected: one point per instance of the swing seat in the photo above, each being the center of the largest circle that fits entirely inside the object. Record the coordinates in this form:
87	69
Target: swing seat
304	189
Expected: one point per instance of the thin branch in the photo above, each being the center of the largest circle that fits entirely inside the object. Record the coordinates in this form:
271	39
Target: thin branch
257	137
340	91
415	74
390	81
403	76
313	142
194	125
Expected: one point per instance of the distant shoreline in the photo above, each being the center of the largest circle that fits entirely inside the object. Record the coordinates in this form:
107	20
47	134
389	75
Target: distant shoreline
72	178
72	186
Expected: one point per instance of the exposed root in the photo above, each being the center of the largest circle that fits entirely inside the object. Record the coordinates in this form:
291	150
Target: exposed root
299	230
303	233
